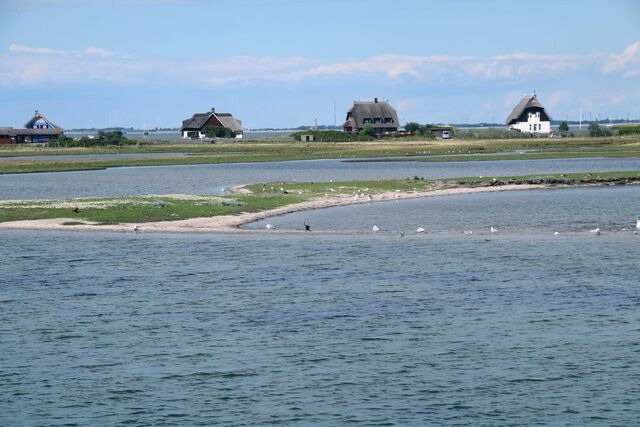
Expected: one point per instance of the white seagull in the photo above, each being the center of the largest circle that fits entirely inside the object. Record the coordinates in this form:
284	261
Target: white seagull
419	230
136	229
375	228
638	223
493	229
595	231
269	227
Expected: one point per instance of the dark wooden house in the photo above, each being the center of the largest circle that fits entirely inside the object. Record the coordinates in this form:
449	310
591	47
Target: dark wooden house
379	114
194	127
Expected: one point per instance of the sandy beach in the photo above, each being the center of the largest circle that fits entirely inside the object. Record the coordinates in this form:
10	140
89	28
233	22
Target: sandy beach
233	223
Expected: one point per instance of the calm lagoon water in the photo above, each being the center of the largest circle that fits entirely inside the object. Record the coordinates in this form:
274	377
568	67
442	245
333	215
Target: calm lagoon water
571	210
215	179
340	325
518	328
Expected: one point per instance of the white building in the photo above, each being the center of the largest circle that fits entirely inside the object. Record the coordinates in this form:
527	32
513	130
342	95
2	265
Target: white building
529	116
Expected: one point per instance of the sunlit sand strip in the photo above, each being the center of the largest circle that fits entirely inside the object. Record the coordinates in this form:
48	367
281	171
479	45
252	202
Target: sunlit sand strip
232	223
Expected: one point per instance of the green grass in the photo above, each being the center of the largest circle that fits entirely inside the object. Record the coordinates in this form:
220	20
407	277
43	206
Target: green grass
234	152
141	209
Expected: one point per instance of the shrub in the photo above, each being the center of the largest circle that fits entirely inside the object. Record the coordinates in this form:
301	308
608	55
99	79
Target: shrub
628	130
367	130
329	136
413	127
595	130
217	132
491	133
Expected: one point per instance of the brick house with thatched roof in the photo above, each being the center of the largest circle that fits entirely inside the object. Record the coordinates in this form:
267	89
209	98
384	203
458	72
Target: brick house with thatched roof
529	116
194	127
378	114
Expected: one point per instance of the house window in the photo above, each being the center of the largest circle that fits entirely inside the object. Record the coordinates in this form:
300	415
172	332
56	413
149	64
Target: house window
530	127
377	120
366	121
388	120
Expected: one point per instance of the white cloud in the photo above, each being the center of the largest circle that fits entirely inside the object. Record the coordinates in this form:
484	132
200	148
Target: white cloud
90	51
628	61
557	98
13	47
34	65
97	51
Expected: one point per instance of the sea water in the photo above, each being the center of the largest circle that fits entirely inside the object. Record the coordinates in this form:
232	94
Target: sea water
216	179
520	327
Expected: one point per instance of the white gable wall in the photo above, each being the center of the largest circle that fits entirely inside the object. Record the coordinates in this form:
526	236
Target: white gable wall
533	125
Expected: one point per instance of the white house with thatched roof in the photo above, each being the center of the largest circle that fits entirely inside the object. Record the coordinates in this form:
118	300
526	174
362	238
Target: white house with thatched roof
529	116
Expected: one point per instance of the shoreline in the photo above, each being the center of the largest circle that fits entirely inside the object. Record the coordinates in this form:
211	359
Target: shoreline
233	223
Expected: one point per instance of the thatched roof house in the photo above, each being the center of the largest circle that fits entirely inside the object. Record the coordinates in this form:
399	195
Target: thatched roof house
379	114
38	130
193	127
529	116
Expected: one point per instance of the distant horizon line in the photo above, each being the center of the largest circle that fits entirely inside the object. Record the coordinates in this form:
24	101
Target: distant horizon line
336	127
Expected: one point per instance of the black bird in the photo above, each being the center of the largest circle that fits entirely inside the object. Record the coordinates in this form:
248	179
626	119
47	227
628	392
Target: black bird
76	210
307	227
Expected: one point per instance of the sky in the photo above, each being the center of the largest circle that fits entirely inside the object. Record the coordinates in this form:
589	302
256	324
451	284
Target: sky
286	63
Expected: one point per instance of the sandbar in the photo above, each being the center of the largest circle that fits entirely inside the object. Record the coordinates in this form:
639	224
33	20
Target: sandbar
234	223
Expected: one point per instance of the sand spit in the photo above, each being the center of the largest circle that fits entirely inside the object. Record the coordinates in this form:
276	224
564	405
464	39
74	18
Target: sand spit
232	223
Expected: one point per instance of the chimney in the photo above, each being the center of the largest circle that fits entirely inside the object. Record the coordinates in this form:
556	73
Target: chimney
375	100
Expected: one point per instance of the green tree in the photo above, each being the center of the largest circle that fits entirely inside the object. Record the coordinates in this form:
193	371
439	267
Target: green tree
413	127
596	130
217	132
368	130
109	138
564	127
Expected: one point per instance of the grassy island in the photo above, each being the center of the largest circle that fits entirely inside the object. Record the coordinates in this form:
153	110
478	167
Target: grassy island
268	198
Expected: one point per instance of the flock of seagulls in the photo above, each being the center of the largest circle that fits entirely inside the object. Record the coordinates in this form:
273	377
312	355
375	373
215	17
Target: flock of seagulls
492	229
375	229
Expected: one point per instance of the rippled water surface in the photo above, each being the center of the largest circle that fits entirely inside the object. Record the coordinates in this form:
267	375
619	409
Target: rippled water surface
569	210
517	328
215	179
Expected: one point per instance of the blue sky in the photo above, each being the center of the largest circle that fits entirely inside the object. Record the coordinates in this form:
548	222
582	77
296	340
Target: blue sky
280	63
